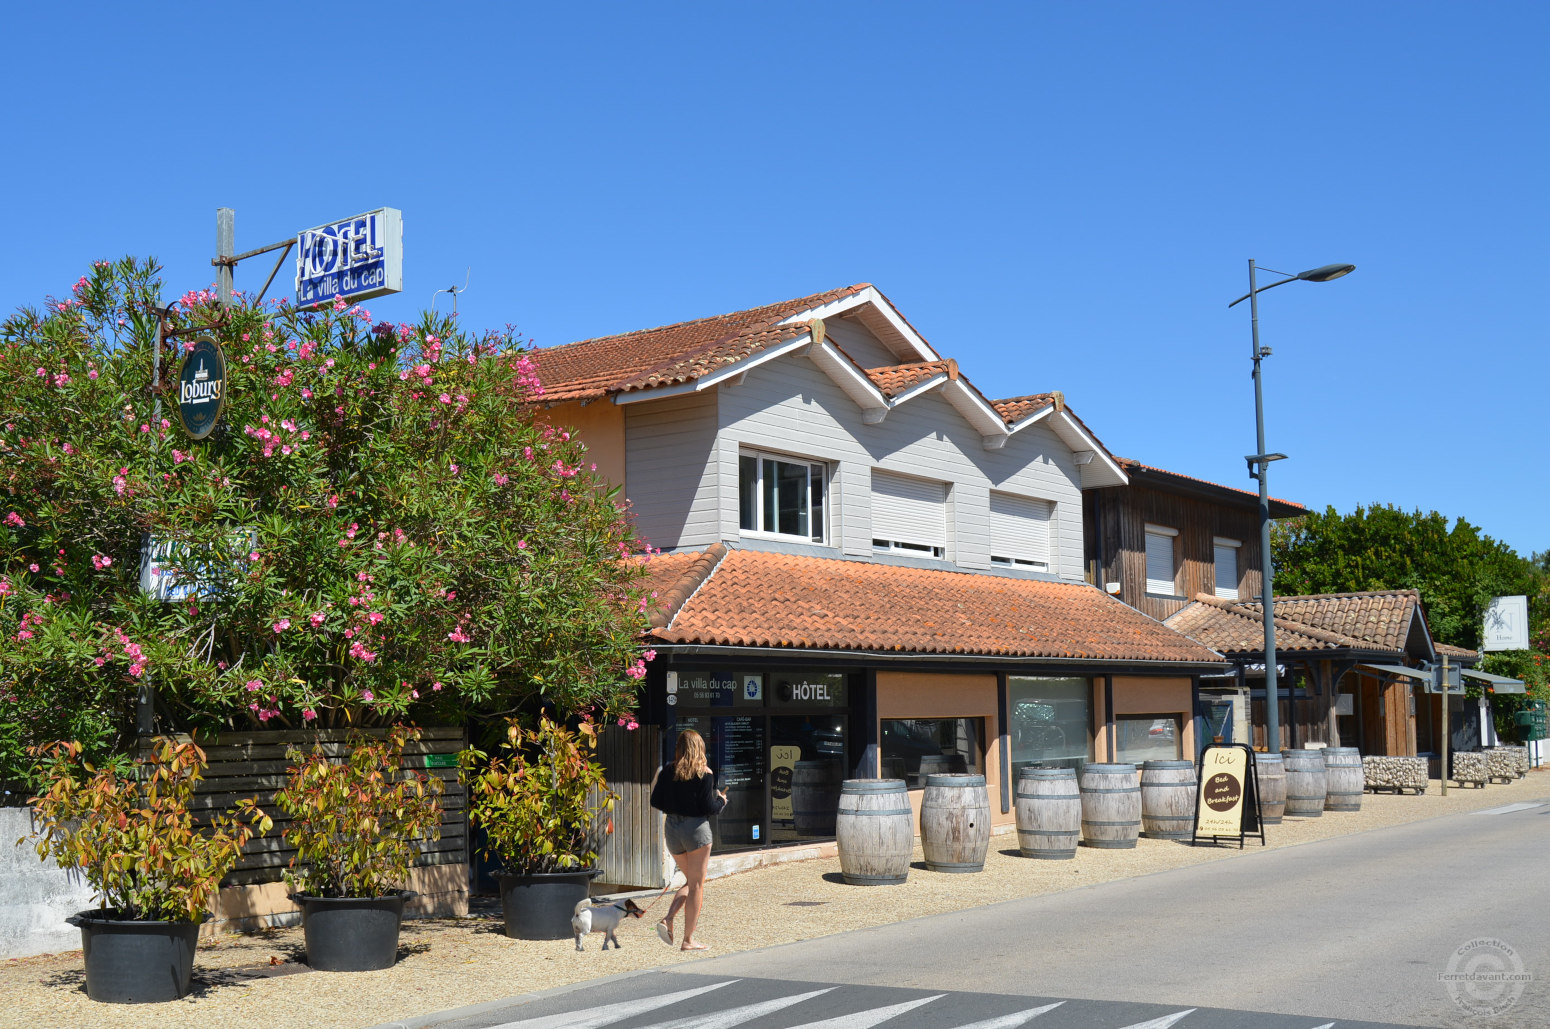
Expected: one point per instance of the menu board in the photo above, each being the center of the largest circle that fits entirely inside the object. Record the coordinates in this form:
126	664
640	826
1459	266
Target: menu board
1227	798
739	752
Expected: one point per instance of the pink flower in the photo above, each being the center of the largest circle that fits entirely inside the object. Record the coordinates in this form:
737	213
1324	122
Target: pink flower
254	685
367	696
92	374
307	714
458	636
15	519
436	687
282	625
317	618
374	618
101	561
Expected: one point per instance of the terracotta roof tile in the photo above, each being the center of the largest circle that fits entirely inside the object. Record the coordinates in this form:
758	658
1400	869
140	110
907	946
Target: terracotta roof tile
757	599
1015	409
900	378
669	354
1373	621
1452	651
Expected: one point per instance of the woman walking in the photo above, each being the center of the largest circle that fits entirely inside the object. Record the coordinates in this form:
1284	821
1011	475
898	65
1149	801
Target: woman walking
685	790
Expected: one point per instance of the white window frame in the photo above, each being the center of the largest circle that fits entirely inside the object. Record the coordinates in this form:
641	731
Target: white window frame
922	544
1219	544
818	528
1173	564
1011	552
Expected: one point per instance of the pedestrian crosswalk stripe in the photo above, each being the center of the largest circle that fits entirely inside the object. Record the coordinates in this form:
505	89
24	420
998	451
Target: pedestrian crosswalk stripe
608	1014
737	1016
1015	1019
1160	1023
869	1018
1507	809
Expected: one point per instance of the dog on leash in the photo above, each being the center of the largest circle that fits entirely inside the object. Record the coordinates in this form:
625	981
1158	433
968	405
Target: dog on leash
602	918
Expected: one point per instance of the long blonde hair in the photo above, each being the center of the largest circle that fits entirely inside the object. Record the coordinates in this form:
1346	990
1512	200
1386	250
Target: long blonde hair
689	756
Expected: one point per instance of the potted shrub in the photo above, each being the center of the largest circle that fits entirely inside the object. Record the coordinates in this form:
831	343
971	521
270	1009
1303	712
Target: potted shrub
543	807
132	835
357	826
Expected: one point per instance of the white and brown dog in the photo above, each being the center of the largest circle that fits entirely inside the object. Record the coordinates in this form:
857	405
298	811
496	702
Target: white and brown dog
602	918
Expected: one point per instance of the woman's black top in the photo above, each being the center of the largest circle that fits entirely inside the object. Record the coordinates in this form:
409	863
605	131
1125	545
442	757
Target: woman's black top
695	798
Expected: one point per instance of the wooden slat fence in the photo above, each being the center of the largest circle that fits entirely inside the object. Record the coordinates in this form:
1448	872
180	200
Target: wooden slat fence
253	764
634	854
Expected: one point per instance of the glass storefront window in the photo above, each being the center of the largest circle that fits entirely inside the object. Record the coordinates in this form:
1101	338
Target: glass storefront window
777	743
1051	724
913	748
1141	738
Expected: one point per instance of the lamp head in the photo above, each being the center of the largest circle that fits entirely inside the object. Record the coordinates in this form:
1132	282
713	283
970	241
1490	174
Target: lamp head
1326	272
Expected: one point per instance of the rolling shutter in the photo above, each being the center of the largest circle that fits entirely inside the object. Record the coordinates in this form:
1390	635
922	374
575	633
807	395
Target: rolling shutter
1019	528
1226	568
1159	560
908	510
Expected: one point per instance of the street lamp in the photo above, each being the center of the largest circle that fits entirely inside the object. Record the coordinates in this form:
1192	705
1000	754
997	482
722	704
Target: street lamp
1259	463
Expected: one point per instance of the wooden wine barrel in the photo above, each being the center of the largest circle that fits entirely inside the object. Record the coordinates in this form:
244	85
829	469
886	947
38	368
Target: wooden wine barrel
1270	774
1344	781
955	823
815	795
1168	800
1111	806
1049	813
1305	783
874	831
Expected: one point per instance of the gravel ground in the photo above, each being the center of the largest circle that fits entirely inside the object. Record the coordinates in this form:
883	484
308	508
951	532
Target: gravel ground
444	963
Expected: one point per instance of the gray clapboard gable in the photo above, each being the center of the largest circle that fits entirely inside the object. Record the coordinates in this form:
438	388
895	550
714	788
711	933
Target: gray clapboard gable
863	347
671	474
790	407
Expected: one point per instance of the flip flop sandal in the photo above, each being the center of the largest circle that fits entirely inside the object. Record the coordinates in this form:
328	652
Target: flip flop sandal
664	932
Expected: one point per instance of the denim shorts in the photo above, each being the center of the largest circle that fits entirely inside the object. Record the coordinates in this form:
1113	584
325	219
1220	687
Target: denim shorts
686	832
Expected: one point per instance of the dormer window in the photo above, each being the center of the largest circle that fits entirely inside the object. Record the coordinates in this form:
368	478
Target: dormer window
909	516
782	498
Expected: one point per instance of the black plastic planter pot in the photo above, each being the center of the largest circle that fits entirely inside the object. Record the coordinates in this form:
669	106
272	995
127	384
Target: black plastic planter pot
540	906
351	934
136	962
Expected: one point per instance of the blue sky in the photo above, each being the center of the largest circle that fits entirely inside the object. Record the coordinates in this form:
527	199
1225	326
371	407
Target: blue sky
1059	196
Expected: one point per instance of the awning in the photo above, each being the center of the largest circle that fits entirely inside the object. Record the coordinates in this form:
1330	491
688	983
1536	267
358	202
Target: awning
1400	670
1497	683
1423	675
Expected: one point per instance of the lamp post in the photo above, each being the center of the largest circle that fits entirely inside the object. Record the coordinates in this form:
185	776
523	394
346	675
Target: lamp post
1259	463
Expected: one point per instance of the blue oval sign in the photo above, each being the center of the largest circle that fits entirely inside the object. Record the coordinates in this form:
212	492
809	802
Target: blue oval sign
202	388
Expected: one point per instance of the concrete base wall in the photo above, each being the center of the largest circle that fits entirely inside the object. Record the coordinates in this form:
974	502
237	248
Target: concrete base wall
35	896
442	889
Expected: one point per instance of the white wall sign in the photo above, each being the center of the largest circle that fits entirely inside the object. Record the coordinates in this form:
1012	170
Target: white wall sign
354	258
1506	624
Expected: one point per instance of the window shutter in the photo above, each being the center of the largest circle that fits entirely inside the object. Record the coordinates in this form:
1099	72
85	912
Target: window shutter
1159	563
1227	569
909	510
1019	528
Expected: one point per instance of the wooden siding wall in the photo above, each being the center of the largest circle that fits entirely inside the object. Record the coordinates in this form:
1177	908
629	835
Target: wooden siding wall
790	406
670	474
1116	519
634	854
253	764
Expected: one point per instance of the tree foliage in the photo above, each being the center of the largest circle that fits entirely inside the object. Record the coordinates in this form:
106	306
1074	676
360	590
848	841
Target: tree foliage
1456	568
383	527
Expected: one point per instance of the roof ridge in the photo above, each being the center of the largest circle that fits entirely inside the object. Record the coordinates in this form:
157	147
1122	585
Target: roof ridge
1254	611
832	294
1401	592
687	585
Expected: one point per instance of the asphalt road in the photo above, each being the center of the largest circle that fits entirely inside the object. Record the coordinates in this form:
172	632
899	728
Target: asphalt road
1357	927
1350	933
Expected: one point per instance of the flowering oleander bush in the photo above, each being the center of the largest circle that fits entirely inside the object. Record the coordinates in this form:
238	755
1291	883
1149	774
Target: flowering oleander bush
359	823
383	524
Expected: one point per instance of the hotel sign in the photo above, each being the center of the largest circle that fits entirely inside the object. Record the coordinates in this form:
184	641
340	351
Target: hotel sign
202	388
354	259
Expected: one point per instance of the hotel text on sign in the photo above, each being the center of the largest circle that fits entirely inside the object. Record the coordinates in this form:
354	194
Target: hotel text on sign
355	258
